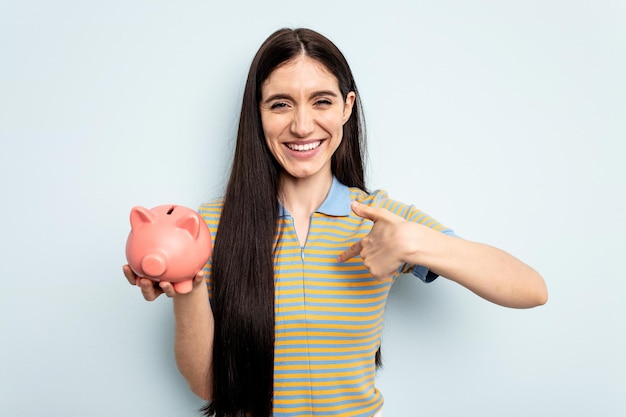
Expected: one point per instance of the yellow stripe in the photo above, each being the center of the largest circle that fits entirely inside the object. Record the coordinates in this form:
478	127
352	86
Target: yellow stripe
367	336
339	372
337	309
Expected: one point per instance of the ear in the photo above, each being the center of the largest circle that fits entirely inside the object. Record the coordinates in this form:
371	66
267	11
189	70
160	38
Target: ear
189	223
140	216
347	106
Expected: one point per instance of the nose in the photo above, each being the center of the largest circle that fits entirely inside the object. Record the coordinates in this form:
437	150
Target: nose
302	124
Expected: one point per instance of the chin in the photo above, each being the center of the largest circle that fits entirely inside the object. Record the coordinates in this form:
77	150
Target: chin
300	174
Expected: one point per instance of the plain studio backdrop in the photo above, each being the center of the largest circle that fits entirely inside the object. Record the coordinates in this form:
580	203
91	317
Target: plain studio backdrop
504	120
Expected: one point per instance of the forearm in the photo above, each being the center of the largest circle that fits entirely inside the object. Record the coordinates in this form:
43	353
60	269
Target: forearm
487	271
194	339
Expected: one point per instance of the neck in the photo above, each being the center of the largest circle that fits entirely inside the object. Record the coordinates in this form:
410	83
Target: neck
302	196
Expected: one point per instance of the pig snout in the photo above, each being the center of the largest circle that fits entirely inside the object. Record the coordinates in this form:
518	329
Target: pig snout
154	264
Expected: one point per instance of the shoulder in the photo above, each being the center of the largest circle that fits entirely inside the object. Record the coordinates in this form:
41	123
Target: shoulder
380	198
211	212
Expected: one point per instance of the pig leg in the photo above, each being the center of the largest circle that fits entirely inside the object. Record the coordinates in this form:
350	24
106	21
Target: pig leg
183	287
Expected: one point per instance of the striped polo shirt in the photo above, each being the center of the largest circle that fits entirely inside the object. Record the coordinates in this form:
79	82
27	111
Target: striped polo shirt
328	315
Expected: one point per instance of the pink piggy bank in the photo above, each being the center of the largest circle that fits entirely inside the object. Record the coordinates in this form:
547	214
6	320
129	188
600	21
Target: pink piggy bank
168	243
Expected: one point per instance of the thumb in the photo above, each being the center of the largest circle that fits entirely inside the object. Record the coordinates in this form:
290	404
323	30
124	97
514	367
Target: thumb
371	213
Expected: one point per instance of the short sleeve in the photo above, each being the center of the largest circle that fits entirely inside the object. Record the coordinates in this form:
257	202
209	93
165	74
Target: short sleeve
211	212
423	272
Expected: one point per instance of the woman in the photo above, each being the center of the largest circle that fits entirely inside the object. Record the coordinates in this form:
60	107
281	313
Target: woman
305	257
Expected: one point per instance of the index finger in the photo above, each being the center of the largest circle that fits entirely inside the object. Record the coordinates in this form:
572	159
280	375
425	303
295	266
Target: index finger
149	289
351	252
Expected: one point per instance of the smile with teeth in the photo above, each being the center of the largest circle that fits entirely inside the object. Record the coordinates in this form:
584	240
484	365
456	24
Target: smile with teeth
303	147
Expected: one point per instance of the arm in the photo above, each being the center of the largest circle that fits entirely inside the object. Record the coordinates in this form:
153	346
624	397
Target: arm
487	271
193	344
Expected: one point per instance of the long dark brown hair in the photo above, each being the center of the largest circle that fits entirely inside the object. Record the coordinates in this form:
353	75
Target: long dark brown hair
243	257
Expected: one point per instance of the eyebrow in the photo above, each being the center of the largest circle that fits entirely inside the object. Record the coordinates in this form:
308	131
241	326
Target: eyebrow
282	96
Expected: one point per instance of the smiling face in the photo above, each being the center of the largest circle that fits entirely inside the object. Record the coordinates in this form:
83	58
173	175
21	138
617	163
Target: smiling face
303	113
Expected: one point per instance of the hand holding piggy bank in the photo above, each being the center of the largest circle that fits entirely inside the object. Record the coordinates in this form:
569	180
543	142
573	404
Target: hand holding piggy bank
168	243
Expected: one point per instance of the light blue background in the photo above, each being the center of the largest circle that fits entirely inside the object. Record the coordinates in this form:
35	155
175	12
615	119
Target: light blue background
504	120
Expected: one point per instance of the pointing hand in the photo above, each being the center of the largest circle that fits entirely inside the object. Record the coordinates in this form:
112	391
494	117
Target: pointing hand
382	249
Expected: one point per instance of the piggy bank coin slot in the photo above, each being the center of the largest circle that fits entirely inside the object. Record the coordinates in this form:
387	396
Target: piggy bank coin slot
171	210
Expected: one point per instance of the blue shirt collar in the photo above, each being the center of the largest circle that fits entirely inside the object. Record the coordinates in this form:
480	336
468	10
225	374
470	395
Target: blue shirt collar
337	202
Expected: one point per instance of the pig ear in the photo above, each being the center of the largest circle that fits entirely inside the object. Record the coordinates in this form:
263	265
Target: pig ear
189	223
140	216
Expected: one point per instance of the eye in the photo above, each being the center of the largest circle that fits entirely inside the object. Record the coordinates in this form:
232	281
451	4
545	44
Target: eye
323	102
279	105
